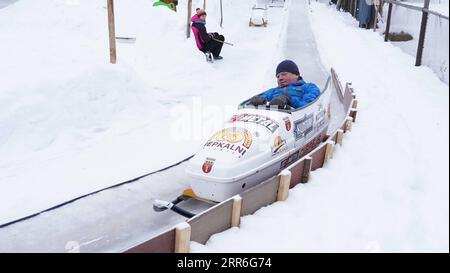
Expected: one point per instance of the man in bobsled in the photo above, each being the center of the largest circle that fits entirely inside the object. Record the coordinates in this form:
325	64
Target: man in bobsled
292	90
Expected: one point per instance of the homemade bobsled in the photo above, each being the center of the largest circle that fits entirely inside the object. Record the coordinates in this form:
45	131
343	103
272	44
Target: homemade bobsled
253	145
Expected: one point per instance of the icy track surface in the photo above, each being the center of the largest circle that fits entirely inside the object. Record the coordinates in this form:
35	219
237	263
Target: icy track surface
110	221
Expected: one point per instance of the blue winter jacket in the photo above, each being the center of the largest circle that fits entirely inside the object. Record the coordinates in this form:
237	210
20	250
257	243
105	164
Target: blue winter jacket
300	93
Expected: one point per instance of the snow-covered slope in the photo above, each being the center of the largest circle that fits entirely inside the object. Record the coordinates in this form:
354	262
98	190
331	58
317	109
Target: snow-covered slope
386	189
71	123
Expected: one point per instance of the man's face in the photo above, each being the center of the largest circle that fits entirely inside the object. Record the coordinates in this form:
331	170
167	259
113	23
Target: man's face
203	17
285	78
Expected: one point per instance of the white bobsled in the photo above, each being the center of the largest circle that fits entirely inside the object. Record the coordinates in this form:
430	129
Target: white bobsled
256	144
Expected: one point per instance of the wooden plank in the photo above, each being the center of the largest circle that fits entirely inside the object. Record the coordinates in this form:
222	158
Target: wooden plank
306	169
348	97
337	84
283	187
329	150
163	243
182	238
339	136
236	214
318	157
259	196
343	126
297	173
214	220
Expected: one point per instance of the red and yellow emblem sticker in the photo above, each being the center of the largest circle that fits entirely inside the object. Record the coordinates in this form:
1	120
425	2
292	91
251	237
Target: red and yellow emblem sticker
207	166
234	140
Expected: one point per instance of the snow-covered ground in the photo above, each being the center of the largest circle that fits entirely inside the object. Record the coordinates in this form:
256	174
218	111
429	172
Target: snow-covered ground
386	188
71	123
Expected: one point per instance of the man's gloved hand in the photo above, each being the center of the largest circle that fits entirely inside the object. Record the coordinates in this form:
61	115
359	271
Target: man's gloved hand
211	35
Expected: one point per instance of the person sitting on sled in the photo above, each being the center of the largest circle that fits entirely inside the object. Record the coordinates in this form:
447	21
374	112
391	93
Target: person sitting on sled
206	42
292	90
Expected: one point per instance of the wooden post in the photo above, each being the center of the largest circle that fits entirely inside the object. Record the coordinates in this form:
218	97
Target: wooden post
338	4
306	169
388	23
375	20
339	136
352	7
221	13
112	32
189	15
423	27
355	103
236	213
283	187
353	113
348	124
329	150
204	4
182	237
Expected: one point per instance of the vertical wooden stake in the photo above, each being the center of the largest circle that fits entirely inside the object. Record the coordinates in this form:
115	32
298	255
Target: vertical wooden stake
306	169
189	14
388	23
182	238
221	13
375	4
112	32
339	136
348	124
236	213
353	113
329	150
283	188
355	103
423	28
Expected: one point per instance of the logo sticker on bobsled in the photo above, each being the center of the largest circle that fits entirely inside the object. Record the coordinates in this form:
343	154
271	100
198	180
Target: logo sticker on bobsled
269	123
278	145
303	126
320	117
289	160
207	166
287	123
234	140
311	145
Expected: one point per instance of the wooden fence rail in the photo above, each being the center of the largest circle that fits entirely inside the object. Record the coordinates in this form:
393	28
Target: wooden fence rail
423	25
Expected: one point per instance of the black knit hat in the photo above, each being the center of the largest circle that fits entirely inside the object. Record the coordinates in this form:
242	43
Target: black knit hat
287	66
